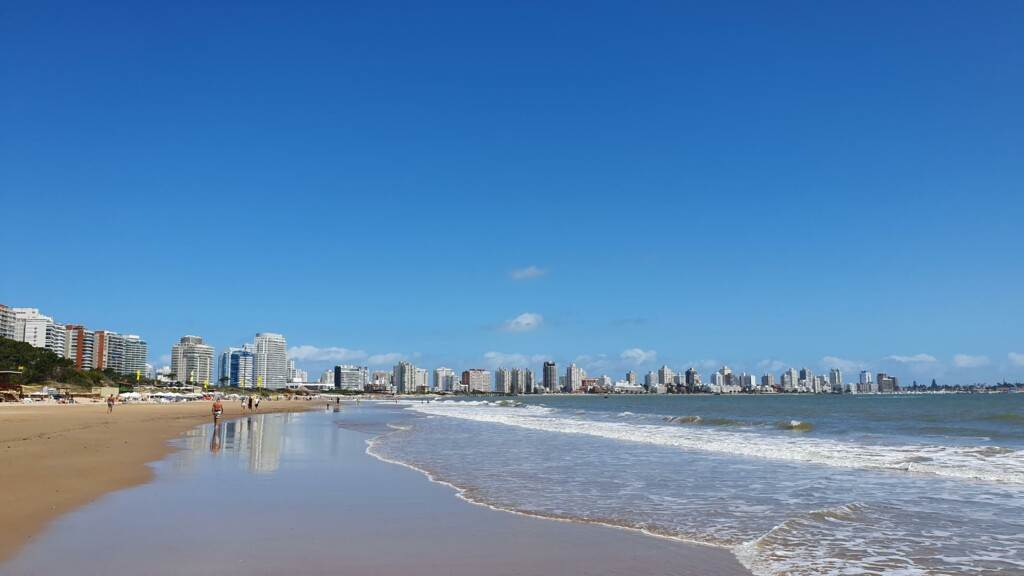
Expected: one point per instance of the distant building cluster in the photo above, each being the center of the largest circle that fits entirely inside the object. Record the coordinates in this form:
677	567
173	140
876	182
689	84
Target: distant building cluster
88	349
407	378
263	363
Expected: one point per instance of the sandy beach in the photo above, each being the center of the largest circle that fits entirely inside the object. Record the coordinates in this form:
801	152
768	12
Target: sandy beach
59	457
298	493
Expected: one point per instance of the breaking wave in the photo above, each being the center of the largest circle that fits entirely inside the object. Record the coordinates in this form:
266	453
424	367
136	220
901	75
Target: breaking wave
963	462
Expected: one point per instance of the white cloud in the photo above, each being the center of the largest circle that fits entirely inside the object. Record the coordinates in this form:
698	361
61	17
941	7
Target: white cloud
968	361
165	359
638	355
523	323
911	359
844	364
771	365
384	359
593	364
527	273
1016	358
512	360
309	353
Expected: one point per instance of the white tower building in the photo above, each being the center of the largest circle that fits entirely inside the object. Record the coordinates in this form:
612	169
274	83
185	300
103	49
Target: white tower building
192	361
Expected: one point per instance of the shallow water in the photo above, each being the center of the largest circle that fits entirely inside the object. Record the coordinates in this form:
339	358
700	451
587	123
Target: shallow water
792	485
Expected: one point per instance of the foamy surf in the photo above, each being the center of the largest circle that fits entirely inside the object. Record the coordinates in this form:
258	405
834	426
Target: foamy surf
963	462
778	516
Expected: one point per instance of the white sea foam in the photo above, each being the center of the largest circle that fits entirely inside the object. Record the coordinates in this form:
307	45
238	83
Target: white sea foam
859	538
862	515
964	462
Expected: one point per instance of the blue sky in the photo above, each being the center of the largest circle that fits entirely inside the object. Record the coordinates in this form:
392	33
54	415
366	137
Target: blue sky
762	184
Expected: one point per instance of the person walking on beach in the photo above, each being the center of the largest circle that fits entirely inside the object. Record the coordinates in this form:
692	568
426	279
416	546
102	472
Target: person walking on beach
110	404
250	402
258	398
218	409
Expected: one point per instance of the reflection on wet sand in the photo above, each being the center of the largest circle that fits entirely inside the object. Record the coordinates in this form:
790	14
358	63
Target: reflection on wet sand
256	441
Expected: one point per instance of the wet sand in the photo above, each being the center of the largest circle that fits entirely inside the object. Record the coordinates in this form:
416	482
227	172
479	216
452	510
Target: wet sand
55	458
298	494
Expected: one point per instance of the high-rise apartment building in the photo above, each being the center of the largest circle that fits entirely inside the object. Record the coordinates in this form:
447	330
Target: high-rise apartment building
381	381
692	379
651	380
422	380
476	380
109	351
767	381
835	380
789	380
326	378
30	326
865	383
136	352
192	361
726	377
444	379
503	381
350	377
805	383
56	339
886	383
270	360
404	377
550	377
666	376
224	367
522	381
574	376
238	367
7	322
79	345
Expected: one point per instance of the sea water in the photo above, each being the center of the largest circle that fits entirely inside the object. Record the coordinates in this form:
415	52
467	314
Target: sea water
896	484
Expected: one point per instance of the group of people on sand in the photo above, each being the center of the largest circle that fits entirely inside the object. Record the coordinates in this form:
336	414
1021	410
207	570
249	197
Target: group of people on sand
253	402
250	403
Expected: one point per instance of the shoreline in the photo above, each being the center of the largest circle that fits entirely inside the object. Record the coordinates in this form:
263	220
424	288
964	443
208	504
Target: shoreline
58	458
461	494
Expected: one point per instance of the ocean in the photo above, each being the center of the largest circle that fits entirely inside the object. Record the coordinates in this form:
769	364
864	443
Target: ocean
796	485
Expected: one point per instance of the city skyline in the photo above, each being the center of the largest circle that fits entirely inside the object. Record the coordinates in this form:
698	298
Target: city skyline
28	324
836	184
